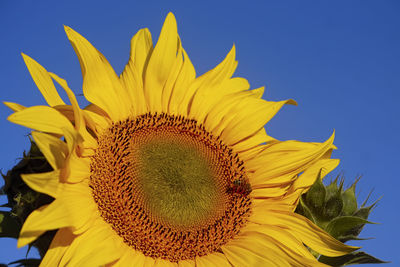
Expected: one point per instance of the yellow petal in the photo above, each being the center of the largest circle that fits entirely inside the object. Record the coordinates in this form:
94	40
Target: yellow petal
169	86
46	182
45	218
220	73
322	167
79	169
258	92
75	106
101	86
275	191
249	117
96	121
60	243
252	151
130	258
88	248
43	81
213	259
41	118
206	99
239	254
183	81
141	50
132	76
288	158
251	142
262	204
186	263
280	235
279	252
207	82
161	62
161	263
80	125
306	231
219	116
73	195
52	148
14	106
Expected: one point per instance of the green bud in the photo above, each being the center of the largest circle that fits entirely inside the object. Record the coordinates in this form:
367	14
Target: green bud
336	211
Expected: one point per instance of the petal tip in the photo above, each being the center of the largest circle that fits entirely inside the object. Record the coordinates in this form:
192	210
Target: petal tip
292	102
69	31
20	243
24	56
170	16
66	28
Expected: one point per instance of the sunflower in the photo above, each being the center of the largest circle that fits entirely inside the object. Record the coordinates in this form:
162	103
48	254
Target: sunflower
164	168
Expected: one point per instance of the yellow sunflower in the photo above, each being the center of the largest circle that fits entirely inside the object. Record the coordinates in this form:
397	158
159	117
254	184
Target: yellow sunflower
164	168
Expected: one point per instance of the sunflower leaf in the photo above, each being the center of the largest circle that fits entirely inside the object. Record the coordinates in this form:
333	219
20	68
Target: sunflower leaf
9	226
26	263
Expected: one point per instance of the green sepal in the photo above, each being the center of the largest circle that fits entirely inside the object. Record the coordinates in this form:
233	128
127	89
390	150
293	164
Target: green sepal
348	259
342	226
315	197
9	225
333	206
304	210
350	200
26	263
332	189
364	212
351	237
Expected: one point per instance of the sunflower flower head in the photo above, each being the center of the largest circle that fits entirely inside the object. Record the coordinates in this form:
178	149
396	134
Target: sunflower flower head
166	168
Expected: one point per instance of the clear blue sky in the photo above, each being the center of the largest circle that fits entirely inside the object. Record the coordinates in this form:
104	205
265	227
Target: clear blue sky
339	59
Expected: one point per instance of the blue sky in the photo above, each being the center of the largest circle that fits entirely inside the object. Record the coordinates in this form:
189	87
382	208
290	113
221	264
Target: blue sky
340	60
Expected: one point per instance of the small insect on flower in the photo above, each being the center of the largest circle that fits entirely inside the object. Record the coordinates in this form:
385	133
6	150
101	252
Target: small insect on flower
241	187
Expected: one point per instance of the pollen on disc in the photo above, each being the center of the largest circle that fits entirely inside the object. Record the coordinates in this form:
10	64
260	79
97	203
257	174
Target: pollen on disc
168	187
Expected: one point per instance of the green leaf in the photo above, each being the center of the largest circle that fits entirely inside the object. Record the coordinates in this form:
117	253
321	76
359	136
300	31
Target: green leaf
27	263
343	226
352	258
9	226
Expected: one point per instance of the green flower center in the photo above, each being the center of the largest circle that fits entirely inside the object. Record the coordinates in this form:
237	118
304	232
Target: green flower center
177	181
